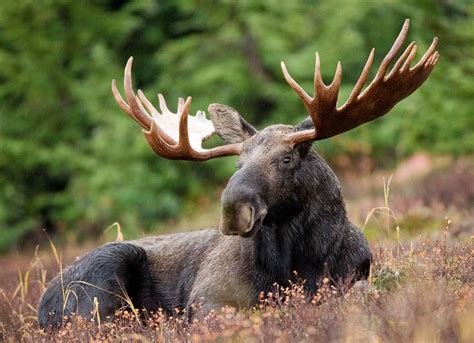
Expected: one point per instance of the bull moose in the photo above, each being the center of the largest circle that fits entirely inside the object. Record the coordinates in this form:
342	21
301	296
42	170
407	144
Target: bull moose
282	210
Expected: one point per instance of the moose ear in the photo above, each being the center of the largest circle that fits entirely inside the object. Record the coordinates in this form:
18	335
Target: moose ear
306	124
229	124
304	147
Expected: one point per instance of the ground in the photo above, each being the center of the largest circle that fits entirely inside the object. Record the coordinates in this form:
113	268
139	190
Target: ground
420	226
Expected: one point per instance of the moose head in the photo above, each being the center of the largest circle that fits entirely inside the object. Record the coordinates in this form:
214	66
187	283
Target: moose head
270	159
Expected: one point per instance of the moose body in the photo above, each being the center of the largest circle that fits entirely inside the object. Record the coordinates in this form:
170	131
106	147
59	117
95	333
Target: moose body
283	215
308	233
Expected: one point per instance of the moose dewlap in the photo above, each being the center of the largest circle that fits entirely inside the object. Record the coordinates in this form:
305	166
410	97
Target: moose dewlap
282	210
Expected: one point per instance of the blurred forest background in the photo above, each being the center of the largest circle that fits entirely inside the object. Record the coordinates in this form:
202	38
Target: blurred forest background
72	163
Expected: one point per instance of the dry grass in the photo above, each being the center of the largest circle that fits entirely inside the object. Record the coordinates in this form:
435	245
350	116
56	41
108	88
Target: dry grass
425	191
420	290
424	294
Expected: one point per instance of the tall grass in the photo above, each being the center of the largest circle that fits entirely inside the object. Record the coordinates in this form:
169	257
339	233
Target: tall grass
419	291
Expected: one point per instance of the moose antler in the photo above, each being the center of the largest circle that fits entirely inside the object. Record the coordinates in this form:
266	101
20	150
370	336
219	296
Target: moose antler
378	98
167	132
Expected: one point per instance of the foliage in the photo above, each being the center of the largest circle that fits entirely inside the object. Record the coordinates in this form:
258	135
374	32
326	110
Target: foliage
70	159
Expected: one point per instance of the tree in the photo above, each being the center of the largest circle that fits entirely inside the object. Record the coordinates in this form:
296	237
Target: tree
70	160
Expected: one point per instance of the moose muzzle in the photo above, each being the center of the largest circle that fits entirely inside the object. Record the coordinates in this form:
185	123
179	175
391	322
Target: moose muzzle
243	209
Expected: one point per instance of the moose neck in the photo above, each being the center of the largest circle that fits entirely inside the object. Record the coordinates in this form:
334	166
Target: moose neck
298	235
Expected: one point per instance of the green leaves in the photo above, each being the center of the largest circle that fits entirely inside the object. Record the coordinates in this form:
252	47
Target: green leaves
70	159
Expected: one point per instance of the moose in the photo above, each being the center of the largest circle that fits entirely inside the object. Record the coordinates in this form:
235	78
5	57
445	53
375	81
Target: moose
282	211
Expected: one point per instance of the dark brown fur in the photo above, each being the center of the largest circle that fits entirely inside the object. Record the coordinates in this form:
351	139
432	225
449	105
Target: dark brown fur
282	211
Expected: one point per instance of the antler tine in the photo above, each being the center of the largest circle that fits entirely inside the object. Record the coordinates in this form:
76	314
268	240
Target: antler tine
148	105
162	133
402	58
118	98
181	104
317	78
143	100
362	79
435	59
163	107
171	149
144	104
393	51
293	84
138	114
333	88
428	54
325	97
336	81
409	59
183	123
319	85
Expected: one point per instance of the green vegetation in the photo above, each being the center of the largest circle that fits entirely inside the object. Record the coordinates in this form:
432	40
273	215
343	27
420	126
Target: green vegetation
72	161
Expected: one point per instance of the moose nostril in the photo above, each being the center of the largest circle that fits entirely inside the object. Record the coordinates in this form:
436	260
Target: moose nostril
237	219
247	215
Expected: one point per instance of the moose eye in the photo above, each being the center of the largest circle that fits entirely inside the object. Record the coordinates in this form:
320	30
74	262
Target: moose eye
287	159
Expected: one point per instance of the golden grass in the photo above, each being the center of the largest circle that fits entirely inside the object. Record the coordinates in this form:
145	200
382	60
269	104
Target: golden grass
422	295
420	290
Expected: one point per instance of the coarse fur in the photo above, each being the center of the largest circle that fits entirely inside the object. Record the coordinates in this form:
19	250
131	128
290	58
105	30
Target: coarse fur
282	212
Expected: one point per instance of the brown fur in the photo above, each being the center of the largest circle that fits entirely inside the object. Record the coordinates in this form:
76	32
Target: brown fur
282	211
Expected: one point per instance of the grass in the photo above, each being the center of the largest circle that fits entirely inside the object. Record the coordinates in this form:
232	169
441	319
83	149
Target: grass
424	295
420	290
